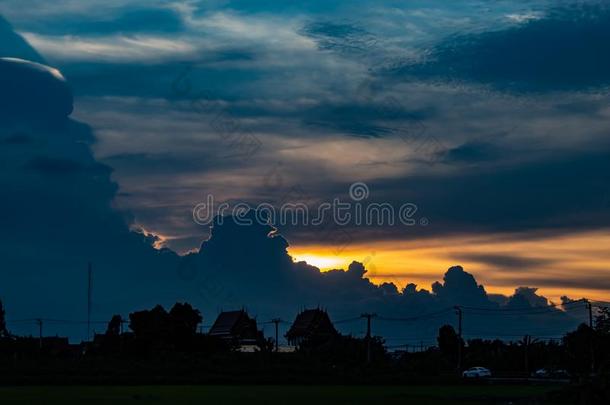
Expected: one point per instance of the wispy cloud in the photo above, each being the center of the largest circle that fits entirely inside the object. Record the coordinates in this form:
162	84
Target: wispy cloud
115	48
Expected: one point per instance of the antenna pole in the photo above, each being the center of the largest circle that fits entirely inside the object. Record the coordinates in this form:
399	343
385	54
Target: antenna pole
89	296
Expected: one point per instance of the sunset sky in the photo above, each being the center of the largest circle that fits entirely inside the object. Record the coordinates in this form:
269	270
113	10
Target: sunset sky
492	117
573	265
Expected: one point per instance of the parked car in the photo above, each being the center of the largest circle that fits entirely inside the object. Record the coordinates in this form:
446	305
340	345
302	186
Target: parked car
551	373
542	373
477	372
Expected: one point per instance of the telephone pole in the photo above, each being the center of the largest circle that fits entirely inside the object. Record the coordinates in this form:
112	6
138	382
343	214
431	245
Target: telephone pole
591	343
590	309
89	296
458	310
276	321
368	338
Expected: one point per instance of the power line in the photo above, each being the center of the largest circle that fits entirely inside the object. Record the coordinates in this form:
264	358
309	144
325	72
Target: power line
526	309
516	335
347	320
417	317
64	321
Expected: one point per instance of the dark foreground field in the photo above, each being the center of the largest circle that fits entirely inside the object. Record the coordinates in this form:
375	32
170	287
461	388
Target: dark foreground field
217	394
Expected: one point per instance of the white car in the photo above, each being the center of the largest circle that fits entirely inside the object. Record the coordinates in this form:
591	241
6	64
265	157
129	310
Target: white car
551	373
477	372
542	373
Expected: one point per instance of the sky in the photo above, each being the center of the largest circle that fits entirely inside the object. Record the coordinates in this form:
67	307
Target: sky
491	117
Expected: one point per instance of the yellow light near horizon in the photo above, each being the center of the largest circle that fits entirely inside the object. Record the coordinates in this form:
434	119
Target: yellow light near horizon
321	261
557	265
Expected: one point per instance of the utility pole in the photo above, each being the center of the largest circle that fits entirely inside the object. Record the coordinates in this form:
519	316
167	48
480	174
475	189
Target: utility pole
368	317
591	343
39	322
590	309
277	321
458	310
89	295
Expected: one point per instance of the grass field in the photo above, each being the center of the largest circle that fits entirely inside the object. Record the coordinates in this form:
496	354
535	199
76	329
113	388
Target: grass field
217	394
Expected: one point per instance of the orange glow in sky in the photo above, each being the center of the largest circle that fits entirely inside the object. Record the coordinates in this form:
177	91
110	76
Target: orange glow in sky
576	265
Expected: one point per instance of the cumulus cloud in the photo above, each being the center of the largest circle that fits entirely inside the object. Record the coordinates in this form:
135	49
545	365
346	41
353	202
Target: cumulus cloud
57	213
13	44
250	266
33	91
327	103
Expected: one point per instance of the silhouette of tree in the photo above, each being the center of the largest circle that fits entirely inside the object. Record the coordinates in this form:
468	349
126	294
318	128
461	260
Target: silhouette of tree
184	319
3	330
114	326
578	345
156	328
448	341
602	321
602	349
183	323
527	343
153	324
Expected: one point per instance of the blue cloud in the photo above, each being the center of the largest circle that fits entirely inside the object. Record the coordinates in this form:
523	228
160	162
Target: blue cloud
13	45
567	49
33	90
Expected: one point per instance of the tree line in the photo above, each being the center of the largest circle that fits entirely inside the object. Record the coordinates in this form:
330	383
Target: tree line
162	336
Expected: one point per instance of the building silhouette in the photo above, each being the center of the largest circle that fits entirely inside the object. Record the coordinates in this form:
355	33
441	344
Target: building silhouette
236	326
311	324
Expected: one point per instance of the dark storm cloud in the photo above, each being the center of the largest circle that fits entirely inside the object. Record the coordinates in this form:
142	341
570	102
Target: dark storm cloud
32	90
94	17
562	281
157	80
472	152
561	192
57	215
13	45
504	262
156	164
371	118
50	165
74	222
249	265
17	138
555	195
567	49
